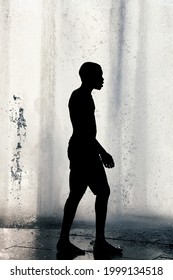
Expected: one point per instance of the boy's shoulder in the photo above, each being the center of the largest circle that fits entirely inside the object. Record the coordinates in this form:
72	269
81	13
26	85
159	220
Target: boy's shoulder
76	96
76	93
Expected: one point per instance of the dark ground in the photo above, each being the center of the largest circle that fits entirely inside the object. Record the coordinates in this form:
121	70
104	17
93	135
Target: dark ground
141	239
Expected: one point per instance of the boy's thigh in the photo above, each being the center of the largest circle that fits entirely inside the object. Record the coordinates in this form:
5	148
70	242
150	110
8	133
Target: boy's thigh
77	181
97	180
92	175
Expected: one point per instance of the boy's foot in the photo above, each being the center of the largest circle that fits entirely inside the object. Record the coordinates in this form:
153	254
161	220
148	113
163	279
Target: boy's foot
67	247
106	248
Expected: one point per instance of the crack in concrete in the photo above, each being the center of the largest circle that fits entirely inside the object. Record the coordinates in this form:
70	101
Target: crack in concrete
127	240
28	247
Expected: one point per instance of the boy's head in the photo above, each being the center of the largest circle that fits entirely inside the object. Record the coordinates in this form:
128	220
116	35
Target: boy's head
91	74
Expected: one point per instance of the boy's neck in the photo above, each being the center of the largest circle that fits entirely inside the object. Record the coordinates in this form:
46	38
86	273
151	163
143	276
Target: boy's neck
86	88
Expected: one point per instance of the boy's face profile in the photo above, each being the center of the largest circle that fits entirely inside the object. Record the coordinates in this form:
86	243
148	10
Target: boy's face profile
92	75
98	79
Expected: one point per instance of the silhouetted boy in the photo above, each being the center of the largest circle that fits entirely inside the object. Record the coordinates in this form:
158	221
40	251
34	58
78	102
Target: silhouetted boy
87	158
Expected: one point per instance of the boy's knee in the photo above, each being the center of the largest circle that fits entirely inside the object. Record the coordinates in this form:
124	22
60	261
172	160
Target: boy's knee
104	192
76	195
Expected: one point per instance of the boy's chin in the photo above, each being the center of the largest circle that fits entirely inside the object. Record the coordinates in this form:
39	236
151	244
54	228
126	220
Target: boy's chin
98	87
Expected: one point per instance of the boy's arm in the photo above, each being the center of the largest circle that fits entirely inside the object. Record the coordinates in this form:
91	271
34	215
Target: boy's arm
105	157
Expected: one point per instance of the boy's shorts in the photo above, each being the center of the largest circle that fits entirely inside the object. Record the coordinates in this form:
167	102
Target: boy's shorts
86	169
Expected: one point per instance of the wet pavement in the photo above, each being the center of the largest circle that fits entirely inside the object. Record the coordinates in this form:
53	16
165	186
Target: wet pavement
140	238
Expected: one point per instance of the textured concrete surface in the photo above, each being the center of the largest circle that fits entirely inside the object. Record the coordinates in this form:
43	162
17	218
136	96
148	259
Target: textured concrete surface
146	239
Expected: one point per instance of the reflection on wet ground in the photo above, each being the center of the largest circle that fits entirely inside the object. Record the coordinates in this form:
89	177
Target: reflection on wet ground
141	239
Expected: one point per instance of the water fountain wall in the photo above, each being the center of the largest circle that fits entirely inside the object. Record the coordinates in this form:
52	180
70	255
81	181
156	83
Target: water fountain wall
43	44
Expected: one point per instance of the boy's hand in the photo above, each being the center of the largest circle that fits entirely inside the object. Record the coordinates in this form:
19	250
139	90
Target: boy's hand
107	160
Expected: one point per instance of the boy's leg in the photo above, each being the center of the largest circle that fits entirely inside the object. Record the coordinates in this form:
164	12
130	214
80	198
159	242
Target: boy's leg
100	187
69	213
77	190
101	213
101	246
